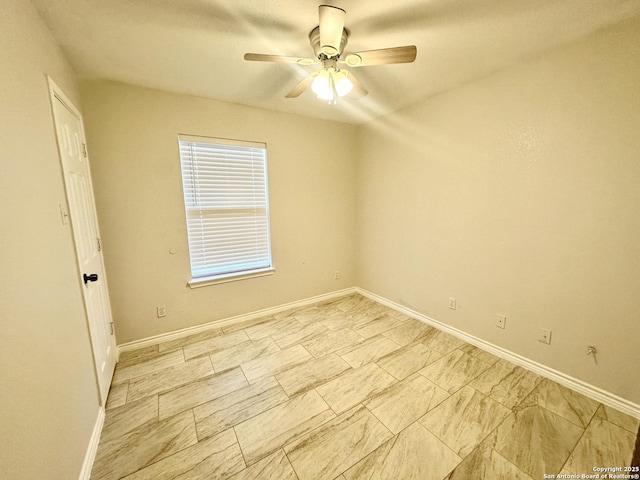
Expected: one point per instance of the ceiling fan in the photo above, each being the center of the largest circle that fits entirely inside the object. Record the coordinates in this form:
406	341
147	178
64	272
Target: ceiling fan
328	40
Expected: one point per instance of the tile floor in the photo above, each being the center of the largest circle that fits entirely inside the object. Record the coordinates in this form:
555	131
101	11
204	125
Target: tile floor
347	389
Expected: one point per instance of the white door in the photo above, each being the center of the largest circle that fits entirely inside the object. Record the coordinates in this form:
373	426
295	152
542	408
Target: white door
77	179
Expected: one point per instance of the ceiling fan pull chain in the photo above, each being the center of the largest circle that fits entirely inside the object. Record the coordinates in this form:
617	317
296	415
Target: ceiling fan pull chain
332	86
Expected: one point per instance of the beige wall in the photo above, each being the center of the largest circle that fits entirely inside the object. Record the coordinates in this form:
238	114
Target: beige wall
132	137
48	397
518	194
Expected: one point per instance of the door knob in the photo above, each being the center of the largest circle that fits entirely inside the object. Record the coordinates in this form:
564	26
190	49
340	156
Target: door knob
90	278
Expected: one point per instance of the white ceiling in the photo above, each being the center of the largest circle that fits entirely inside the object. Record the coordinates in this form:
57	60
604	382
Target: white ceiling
197	46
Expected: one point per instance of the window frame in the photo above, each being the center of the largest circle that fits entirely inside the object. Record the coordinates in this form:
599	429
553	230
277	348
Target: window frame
235	271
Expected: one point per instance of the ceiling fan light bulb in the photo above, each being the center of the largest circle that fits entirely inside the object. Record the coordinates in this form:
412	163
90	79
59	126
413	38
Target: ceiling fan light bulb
321	86
343	84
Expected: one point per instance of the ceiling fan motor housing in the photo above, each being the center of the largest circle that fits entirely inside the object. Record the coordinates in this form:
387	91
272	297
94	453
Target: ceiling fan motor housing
314	39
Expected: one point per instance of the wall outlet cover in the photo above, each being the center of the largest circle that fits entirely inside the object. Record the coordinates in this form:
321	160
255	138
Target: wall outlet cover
545	336
452	303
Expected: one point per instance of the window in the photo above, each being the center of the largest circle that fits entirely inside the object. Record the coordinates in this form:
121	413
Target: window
227	208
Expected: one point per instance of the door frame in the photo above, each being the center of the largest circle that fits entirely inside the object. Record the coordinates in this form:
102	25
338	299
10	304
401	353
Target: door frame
57	94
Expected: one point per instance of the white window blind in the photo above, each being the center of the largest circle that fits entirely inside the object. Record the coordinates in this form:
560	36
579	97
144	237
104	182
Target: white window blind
227	206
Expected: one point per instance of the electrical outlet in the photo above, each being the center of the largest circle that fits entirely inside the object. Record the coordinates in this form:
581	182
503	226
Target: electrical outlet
161	311
545	336
336	275
501	321
452	303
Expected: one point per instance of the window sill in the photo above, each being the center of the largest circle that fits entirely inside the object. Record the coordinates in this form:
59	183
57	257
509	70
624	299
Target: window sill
231	277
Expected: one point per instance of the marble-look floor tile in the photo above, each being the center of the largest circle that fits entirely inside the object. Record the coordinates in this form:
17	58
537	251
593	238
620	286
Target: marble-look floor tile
398	315
332	341
603	445
216	457
154	436
442	342
330	303
413	454
376	326
408	360
562	401
354	302
338	320
140	354
367	309
169	378
242	353
536	440
247	323
484	463
355	386
214	344
299	334
367	315
188	340
123	419
506	383
311	374
146	365
384	310
309	315
274	467
620	419
288	313
217	415
463	420
267	432
143	446
410	332
338	444
117	395
368	351
454	371
200	391
274	327
478	353
400	405
275	362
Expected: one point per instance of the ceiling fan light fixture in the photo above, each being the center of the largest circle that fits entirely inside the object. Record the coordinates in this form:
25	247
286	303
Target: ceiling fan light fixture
321	85
342	82
329	84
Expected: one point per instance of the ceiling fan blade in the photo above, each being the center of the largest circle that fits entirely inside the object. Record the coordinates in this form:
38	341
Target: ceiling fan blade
358	90
383	56
331	26
259	57
299	88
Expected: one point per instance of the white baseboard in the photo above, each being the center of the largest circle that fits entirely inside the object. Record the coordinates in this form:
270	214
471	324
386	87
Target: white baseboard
225	322
92	448
568	381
